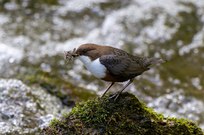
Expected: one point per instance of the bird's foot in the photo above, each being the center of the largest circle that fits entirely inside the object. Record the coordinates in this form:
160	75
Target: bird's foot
114	96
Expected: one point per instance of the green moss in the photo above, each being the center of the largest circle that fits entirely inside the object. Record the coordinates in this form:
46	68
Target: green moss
127	115
54	122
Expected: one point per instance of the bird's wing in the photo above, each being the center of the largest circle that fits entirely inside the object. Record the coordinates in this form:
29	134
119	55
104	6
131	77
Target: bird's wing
115	64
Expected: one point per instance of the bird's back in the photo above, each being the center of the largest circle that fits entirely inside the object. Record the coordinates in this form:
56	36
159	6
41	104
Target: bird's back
131	65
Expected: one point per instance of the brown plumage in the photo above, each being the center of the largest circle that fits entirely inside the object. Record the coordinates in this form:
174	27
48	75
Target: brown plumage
120	65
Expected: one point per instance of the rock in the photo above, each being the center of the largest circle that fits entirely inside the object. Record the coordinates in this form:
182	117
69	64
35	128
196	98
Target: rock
25	110
125	116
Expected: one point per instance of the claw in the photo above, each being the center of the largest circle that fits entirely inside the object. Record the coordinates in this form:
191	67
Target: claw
114	96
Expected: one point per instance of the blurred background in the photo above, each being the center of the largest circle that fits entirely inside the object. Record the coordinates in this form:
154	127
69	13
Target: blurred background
37	84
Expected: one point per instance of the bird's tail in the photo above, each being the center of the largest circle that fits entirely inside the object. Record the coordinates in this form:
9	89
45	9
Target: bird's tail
154	61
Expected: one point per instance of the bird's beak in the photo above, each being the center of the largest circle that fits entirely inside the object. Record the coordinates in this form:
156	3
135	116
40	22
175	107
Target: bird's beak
75	55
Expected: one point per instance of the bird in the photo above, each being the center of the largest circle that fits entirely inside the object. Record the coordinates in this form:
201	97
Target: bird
112	64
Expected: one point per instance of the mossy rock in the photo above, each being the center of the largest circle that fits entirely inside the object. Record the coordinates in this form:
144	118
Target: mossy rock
127	115
53	82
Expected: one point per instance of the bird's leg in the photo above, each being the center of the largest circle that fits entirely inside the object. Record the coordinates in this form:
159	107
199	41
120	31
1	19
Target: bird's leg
118	94
108	89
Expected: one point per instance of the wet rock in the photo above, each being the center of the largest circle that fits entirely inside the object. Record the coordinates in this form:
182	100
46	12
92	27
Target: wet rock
25	110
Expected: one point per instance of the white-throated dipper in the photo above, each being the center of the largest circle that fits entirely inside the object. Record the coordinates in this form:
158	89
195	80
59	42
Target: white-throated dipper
112	64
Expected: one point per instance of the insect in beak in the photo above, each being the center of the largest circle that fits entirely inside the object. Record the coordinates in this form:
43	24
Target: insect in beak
70	55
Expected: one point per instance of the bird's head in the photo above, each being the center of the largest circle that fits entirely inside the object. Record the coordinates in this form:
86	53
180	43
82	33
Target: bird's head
90	50
86	50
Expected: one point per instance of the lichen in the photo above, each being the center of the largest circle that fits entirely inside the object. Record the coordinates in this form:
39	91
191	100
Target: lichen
127	115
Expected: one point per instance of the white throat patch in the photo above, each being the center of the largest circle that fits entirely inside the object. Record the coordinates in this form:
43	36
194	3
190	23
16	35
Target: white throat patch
95	67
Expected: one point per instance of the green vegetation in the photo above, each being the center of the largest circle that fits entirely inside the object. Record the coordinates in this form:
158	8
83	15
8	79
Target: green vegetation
125	116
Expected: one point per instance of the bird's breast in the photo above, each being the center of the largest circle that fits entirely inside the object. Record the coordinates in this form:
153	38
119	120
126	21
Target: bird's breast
95	67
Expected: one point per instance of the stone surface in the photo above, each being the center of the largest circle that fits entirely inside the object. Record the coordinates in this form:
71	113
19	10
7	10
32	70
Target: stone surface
26	109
